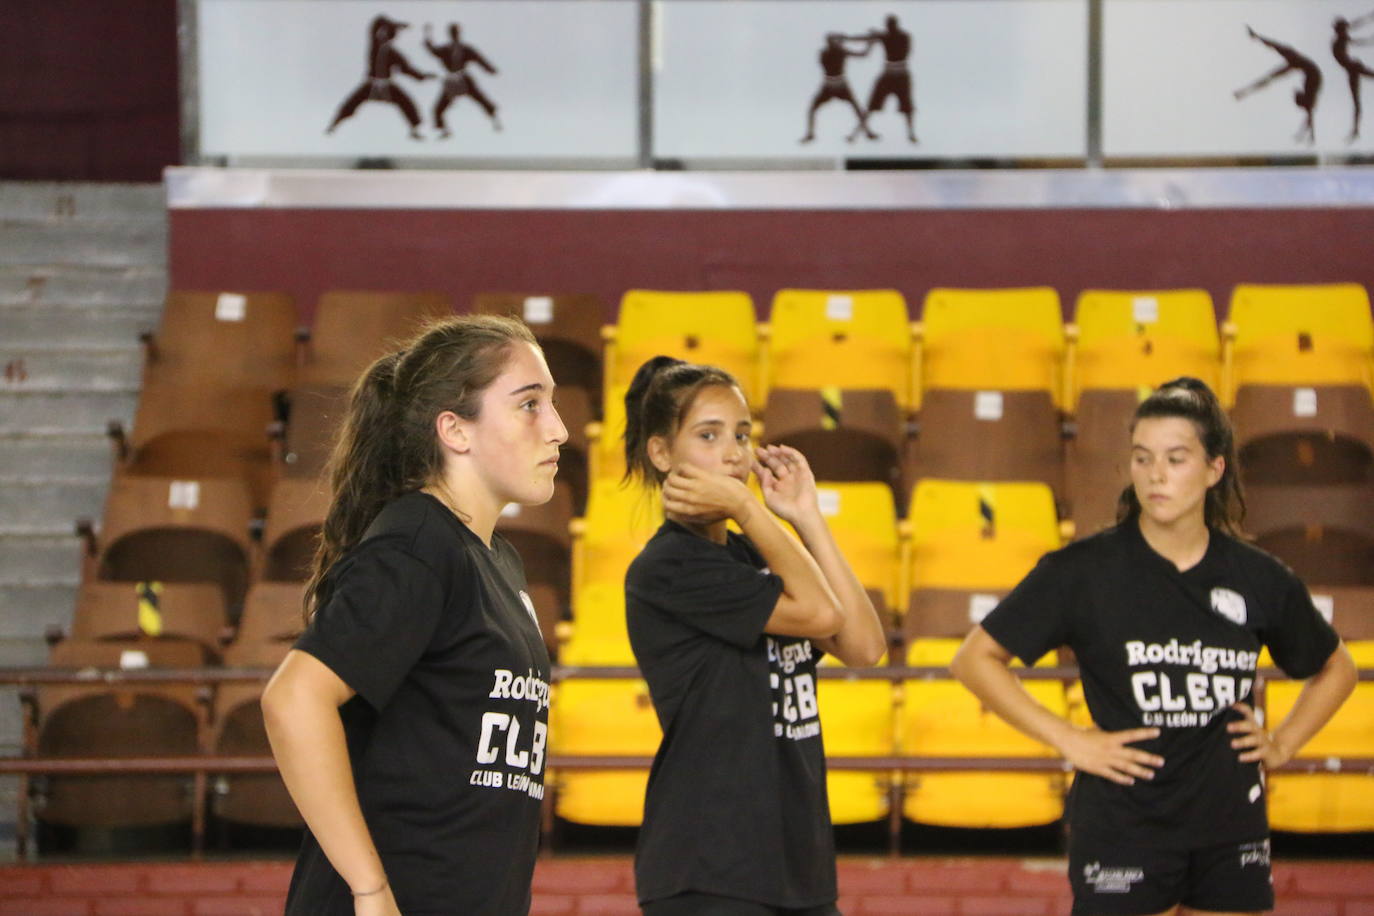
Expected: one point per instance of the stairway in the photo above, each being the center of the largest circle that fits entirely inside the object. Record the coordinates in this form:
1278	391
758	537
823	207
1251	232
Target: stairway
83	270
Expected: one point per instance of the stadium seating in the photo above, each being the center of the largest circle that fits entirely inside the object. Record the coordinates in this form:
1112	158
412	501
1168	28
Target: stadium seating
291	531
271	613
714	328
1327	802
991	385
210	376
259	799
568	327
540	535
858	339
133	612
127	721
845	434
351	328
160	529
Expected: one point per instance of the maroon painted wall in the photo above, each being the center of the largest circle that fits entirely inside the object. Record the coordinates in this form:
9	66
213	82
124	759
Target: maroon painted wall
463	252
88	89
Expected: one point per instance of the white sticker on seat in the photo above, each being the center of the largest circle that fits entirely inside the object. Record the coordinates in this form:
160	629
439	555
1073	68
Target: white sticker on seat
980	606
1145	309
1326	606
183	494
538	309
829	502
1304	402
131	659
231	307
987	405
839	308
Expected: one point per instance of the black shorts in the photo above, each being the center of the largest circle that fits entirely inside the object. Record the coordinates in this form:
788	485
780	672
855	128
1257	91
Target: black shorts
1112	879
694	904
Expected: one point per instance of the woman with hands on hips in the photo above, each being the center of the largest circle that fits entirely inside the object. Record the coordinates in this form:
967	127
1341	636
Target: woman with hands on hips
1167	613
727	629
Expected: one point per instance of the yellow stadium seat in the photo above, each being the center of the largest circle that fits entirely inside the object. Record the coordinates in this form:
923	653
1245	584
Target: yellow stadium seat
857	721
606	439
863	519
978	535
602	718
619	522
714	328
1326	802
1128	340
943	719
857	339
1320	335
992	339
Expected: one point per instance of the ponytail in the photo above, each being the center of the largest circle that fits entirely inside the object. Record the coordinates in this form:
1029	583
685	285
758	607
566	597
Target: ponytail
387	445
660	395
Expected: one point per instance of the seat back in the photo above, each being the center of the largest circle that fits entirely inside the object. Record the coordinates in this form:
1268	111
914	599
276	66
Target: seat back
993	339
352	328
129	612
1300	335
1126	340
844	339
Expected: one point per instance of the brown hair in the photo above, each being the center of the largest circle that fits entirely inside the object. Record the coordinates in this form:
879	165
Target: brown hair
1191	399
659	396
387	445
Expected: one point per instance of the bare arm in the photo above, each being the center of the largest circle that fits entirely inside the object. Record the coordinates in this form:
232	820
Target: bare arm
300	707
807	607
982	665
790	490
481	61
1321	696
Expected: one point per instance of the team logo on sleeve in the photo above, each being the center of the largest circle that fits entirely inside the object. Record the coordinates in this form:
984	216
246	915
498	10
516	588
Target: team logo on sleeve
529	606
1230	605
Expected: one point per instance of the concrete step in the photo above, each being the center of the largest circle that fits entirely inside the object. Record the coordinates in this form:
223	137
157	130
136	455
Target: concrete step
53	369
83	285
109	243
58	455
26	611
40	559
47	200
66	412
75	327
23	651
49	507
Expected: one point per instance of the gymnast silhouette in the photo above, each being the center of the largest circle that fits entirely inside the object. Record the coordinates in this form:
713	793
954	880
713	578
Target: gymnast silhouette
378	86
1305	97
833	58
1355	69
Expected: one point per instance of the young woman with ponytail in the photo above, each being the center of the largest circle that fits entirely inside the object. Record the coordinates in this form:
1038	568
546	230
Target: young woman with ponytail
1167	613
409	721
728	630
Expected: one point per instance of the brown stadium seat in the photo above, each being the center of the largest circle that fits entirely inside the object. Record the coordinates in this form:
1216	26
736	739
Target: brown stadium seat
1304	435
212	372
1325	533
354	327
568	327
134	612
259	799
987	435
123	721
1350	609
170	530
313	414
846	435
1096	467
540	535
271	613
292	528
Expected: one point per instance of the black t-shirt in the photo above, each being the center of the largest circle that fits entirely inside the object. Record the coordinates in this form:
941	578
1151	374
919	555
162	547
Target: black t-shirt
447	732
736	803
1162	648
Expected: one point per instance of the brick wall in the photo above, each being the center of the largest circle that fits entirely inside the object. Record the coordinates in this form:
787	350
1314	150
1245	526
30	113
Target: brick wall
605	887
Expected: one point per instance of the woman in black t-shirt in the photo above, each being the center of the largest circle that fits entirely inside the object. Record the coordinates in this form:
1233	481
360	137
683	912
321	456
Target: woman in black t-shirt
409	722
728	630
1167	613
